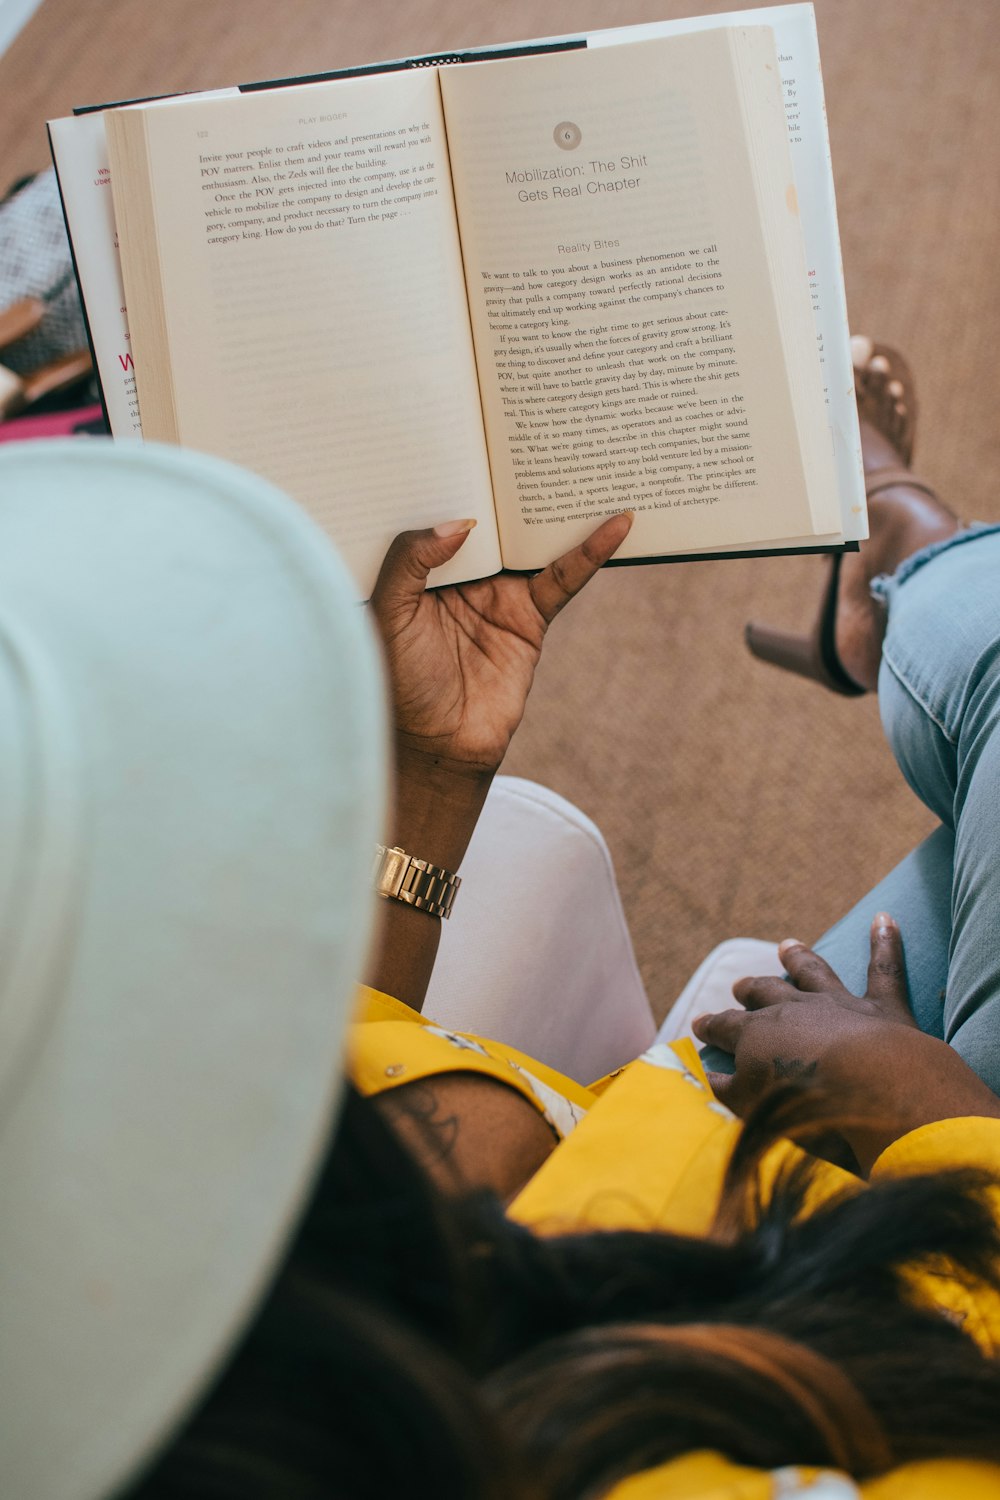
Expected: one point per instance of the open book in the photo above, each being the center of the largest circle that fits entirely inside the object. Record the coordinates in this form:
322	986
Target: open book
535	291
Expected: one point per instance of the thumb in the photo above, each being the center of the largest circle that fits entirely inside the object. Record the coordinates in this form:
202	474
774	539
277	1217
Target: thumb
411	556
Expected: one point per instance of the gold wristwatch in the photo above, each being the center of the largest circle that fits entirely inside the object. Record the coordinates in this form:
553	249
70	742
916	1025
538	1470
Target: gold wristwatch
401	877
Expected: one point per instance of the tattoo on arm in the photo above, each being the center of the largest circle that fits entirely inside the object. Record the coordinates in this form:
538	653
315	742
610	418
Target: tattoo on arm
417	1105
467	1130
793	1067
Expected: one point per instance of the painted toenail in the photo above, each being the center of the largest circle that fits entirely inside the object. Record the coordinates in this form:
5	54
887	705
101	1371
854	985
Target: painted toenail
880	364
895	388
862	350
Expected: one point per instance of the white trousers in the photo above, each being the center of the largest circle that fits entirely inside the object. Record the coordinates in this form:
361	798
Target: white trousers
537	953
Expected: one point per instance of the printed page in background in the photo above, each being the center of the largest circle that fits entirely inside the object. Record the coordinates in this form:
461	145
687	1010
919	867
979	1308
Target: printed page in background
621	296
314	297
802	82
80	153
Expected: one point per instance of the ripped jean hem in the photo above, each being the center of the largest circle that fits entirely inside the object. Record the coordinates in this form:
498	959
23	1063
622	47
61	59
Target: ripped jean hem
886	584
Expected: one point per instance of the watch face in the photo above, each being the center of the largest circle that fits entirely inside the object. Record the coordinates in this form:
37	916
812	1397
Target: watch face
390	871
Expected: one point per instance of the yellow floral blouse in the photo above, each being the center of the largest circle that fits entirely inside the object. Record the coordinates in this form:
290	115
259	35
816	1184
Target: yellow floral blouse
597	1178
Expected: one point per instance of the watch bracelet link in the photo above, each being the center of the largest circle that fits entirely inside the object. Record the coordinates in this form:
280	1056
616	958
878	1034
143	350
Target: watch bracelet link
416	882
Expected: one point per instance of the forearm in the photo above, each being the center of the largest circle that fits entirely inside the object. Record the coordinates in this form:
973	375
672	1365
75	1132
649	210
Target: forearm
436	806
927	1083
461	662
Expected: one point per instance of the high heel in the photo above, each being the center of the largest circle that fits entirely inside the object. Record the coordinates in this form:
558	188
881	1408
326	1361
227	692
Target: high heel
886	399
814	655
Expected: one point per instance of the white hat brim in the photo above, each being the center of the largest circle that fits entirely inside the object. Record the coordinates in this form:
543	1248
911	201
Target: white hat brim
191	783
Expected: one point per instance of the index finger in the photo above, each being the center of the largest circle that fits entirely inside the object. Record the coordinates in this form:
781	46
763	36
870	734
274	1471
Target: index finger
806	969
555	586
402	577
766	989
721	1030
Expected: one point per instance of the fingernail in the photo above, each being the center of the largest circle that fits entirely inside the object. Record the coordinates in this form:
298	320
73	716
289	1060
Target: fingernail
882	922
453	528
787	943
629	513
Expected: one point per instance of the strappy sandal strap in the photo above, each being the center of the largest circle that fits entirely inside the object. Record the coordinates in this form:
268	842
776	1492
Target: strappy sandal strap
888	479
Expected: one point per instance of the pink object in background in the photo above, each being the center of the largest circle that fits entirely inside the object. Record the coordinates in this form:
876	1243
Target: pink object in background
49	424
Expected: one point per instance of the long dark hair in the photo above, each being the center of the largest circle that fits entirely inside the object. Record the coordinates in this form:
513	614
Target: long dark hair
788	1336
435	1337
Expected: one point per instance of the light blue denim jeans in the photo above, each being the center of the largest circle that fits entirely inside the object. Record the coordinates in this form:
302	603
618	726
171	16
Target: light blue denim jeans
939	697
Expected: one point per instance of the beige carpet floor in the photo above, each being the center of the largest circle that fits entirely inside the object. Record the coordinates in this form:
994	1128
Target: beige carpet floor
734	799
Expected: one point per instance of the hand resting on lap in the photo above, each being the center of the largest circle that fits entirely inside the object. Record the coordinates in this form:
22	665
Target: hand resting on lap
865	1052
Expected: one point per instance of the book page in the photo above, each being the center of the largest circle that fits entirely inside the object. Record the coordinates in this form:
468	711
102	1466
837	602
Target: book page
80	154
314	306
794	29
629	344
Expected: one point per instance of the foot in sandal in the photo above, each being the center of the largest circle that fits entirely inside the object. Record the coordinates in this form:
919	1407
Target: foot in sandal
844	647
904	513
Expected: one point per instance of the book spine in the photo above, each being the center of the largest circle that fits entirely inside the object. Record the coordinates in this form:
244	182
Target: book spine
79	283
